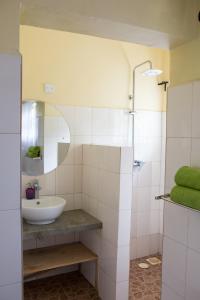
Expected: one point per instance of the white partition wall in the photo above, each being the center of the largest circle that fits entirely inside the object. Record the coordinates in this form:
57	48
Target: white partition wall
107	194
181	247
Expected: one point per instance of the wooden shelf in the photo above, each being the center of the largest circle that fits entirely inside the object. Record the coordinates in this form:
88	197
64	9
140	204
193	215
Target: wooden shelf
44	259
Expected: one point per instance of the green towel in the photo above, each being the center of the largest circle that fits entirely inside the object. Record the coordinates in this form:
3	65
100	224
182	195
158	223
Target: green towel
188	177
185	196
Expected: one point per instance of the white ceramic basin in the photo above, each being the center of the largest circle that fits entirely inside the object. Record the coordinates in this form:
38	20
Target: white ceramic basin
43	210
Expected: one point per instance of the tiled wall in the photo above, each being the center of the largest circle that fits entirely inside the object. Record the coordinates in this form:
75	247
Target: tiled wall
114	127
10	217
87	126
181	247
107	194
149	147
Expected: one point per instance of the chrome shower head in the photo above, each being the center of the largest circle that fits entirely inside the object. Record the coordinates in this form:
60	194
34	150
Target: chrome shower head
152	72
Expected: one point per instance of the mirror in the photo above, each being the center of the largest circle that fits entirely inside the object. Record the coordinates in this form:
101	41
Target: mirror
45	138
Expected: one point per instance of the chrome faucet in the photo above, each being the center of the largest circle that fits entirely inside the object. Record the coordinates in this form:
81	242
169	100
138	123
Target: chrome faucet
36	188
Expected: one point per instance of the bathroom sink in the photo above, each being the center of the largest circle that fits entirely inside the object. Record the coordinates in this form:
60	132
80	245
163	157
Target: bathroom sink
44	210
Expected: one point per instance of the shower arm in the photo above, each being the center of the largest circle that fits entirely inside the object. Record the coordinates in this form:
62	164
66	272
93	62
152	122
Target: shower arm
132	97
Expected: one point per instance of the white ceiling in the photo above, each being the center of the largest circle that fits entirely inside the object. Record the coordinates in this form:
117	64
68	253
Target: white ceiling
157	23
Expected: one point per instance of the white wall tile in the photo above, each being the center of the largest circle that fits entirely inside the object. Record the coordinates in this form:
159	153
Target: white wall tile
110	192
10	87
78	153
195	161
83	121
107	288
196	110
69	201
107	122
11	292
112	159
143	223
178	155
154	243
143	246
174	265
145	175
155	204
169	294
64	180
125	197
147	149
134	221
176	222
192	283
78	201
156	173
10	232
123	264
68	113
126	160
148	123
193	230
133	248
83	139
179	111
78	179
164	124
155	221
122	290
108	259
10	171
70	157
143	199
124	227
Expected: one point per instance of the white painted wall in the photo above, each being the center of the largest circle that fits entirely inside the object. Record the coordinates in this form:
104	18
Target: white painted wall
9	26
157	23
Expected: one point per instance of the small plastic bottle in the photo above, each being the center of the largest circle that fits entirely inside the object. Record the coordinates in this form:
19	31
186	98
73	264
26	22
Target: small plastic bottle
30	192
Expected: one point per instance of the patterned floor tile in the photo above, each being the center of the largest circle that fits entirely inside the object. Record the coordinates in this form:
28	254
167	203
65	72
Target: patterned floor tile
145	284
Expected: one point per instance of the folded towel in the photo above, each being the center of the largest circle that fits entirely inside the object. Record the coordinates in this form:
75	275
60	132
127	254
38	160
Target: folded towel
188	177
186	196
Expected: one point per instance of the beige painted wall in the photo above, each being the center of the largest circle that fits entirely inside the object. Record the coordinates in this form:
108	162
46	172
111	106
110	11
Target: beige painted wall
185	63
88	71
9	25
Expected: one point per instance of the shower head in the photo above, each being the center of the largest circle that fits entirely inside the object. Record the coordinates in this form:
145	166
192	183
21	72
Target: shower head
152	72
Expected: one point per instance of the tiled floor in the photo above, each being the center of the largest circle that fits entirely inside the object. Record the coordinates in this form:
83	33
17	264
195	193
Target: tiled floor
71	286
144	285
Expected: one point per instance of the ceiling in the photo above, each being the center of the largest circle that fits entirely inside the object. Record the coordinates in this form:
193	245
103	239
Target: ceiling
156	23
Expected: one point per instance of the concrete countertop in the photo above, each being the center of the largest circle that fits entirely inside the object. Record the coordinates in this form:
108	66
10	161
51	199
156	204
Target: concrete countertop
70	221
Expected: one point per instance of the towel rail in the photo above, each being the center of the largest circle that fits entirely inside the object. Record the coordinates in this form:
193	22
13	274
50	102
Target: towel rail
166	197
161	197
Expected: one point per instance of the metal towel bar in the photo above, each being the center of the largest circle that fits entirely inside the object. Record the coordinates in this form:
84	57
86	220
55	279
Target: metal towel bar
162	196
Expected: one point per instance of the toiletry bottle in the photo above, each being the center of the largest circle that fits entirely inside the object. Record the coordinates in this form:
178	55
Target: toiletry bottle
30	192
